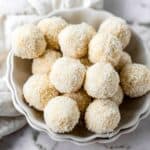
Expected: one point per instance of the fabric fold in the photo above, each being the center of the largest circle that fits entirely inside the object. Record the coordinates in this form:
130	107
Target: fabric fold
10	119
9	125
46	6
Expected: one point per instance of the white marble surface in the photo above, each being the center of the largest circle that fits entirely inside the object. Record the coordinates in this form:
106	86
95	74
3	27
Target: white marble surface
137	12
29	139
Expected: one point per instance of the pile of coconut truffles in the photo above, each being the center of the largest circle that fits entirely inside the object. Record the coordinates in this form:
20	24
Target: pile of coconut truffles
78	73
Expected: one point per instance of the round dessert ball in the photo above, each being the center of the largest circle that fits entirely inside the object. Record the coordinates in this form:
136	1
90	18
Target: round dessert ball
43	64
135	80
102	116
28	42
105	47
38	91
61	114
67	74
117	27
124	59
51	27
81	98
74	40
101	80
118	96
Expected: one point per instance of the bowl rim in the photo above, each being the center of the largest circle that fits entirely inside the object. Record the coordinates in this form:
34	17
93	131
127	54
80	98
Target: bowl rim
74	139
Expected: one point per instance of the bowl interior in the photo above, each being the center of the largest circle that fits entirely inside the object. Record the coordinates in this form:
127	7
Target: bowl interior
131	109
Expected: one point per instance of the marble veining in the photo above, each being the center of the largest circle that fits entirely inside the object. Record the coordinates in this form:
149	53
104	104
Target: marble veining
30	139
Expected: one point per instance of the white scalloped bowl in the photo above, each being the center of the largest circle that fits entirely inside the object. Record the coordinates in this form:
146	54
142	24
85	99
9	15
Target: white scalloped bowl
132	111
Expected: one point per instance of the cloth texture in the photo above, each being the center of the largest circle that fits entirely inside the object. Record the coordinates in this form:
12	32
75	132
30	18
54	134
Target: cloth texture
10	119
47	6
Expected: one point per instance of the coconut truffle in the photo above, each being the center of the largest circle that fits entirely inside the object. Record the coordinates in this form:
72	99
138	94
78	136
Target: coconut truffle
67	74
105	47
101	80
117	27
124	59
38	91
118	96
74	40
81	98
61	114
102	116
51	27
135	80
28	42
43	64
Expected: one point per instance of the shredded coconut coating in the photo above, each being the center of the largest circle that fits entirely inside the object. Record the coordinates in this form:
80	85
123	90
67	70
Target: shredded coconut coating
51	27
135	80
117	27
61	114
124	59
105	47
81	98
101	80
102	116
118	96
38	91
67	74
74	40
28	42
43	64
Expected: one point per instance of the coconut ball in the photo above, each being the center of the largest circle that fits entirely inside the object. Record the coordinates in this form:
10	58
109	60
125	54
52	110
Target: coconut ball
43	64
61	114
118	96
51	28
38	91
101	80
117	27
81	98
67	74
124	59
105	47
102	116
74	40
135	80
28	42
